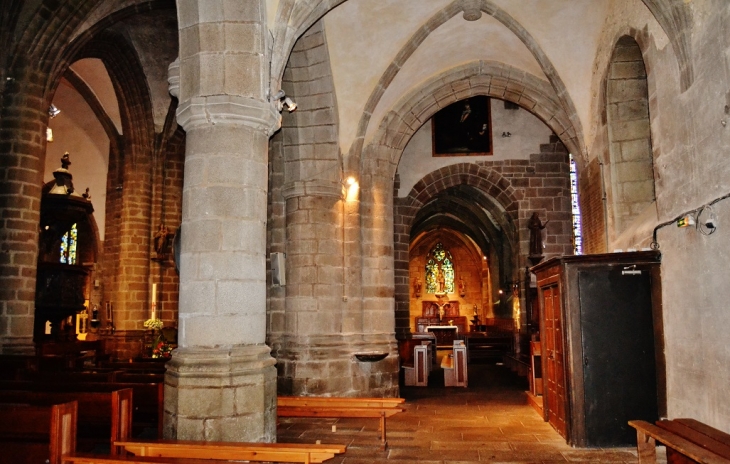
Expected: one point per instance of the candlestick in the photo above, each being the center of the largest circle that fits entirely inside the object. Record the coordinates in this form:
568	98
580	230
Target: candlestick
154	293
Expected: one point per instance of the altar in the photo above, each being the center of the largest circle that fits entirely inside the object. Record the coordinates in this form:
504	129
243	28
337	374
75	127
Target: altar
445	334
443	321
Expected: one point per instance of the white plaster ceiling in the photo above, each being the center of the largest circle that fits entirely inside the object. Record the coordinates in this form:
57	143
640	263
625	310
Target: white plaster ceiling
445	48
365	35
78	131
93	72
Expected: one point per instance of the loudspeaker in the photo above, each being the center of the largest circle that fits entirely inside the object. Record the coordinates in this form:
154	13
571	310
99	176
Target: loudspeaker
278	269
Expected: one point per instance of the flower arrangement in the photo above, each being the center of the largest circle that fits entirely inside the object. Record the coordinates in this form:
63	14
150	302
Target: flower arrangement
162	349
154	324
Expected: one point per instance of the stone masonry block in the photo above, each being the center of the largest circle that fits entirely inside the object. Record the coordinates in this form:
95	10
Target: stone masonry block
233	265
227	202
197	297
630	110
634	171
239	235
202	235
636	150
207	402
242	75
230	296
245	37
190	428
235	10
630	130
210	37
232	169
627	70
223	330
211	79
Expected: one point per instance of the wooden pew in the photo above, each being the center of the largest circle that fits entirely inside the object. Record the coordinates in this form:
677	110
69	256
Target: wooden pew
102	417
381	408
277	452
148	398
36	434
136	366
454	366
12	366
81	458
416	361
686	440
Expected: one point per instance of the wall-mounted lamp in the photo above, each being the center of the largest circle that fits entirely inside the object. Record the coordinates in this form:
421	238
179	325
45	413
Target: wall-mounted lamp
282	101
506	134
351	188
49	134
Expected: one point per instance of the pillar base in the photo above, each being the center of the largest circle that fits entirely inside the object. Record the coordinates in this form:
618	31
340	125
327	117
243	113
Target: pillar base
327	365
214	394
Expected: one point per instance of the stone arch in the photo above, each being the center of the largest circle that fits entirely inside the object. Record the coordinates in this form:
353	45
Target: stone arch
676	20
293	18
492	191
471	12
478	78
131	166
630	189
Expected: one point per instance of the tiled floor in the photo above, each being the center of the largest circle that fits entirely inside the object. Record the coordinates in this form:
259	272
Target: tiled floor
488	422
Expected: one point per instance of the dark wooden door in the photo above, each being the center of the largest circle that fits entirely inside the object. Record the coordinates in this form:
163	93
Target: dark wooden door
554	358
619	366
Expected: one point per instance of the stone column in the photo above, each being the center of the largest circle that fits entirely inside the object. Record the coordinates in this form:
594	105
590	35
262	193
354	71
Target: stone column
221	382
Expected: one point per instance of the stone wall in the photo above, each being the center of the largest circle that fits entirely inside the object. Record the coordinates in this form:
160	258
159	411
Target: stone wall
315	322
689	133
540	184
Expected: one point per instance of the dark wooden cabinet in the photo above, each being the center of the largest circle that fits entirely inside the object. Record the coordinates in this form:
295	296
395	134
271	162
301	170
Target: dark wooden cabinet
602	345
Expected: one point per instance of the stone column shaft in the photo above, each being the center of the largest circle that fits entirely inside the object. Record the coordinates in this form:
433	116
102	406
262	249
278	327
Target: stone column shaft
221	382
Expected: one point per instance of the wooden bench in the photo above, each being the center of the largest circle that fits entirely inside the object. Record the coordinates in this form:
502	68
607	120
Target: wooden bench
102	417
82	458
148	398
277	452
338	407
686	440
36	434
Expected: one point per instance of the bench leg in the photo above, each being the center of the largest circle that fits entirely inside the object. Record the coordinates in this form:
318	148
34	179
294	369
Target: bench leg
383	441
646	448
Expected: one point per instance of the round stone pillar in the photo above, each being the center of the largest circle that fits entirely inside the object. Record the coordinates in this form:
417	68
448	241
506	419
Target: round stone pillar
221	382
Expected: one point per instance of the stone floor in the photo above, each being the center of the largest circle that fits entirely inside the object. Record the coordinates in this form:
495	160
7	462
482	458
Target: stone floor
488	422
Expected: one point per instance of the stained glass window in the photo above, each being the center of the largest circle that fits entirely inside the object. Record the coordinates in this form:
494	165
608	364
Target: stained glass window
577	237
68	246
439	271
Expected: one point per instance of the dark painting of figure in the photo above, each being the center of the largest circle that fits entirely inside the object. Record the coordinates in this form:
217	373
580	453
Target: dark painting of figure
463	128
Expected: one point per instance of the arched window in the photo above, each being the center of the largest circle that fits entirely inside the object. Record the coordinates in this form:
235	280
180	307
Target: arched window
68	246
439	271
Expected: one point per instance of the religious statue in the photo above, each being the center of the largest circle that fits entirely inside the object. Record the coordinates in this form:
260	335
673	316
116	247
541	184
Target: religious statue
417	287
462	287
536	227
440	282
160	240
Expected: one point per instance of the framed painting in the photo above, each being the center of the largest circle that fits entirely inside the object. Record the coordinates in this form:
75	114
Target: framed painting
463	128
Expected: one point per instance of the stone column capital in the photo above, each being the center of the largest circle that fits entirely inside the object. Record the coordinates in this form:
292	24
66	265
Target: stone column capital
321	188
228	110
